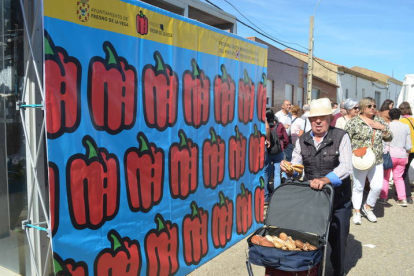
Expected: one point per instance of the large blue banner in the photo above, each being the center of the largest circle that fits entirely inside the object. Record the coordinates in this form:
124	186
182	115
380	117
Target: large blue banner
155	138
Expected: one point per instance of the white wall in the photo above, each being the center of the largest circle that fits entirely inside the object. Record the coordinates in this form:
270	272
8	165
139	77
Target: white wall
359	88
394	90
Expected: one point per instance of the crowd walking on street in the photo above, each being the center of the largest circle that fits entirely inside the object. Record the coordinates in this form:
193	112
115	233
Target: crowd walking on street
355	147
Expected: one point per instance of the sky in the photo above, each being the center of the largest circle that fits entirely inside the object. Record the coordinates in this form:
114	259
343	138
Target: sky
373	34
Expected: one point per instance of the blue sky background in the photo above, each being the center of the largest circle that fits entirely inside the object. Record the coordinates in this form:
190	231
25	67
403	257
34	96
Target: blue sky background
377	35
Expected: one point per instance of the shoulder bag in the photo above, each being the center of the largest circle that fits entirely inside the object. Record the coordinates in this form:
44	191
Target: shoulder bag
363	158
410	122
387	160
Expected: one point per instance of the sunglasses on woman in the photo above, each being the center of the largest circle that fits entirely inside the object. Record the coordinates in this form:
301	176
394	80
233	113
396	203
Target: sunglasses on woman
372	106
356	107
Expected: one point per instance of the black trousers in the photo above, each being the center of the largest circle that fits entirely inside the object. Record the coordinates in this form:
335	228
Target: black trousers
338	233
405	176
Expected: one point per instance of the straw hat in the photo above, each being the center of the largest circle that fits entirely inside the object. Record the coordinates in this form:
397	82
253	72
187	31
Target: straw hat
320	107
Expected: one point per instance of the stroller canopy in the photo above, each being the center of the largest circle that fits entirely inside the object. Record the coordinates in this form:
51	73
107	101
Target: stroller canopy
298	207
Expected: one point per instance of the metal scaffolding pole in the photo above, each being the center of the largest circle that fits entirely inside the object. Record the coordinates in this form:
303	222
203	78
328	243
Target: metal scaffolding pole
33	123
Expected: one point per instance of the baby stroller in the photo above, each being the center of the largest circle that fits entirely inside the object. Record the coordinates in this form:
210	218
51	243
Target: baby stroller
303	214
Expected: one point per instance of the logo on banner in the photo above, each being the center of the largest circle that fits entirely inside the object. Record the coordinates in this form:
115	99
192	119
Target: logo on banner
83	10
142	23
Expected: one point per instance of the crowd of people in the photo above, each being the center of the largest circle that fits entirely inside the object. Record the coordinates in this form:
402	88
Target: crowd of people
353	146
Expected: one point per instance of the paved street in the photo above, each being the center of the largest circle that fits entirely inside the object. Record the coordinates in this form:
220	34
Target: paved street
374	249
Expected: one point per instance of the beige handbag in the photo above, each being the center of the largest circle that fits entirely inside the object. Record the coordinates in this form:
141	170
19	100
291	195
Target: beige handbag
363	159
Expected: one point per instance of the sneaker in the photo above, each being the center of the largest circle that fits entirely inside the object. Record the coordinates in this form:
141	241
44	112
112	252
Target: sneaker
382	201
402	203
356	218
409	200
369	214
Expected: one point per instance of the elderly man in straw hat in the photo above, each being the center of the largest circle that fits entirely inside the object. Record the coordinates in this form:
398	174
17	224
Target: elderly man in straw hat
325	153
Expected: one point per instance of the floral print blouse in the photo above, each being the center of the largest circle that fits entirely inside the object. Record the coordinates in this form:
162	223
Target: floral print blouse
361	136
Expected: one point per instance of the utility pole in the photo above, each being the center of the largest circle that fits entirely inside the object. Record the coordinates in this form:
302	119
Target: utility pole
310	60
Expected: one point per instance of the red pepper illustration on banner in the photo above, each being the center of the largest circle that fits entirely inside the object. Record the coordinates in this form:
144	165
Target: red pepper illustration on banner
196	96
123	258
256	151
144	172
214	154
222	221
159	94
69	267
62	85
92	186
259	202
246	99
195	240
237	155
224	97
161	248
243	211
54	197
142	23
262	99
183	167
112	92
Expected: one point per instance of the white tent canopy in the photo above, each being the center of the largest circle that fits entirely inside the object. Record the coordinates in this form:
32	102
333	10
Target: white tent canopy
407	91
407	95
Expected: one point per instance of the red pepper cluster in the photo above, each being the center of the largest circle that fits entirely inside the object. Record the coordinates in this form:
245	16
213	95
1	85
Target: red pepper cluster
224	97
161	248
93	186
112	92
144	175
214	154
246	99
159	94
123	258
195	241
256	151
237	155
69	267
222	221
93	178
183	167
243	211
259	202
262	99
62	86
196	96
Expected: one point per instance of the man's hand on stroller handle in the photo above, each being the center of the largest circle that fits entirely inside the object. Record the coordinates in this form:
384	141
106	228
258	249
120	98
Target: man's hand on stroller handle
319	183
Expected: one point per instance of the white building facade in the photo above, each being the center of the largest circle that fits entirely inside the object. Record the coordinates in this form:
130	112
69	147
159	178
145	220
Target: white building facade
357	86
386	86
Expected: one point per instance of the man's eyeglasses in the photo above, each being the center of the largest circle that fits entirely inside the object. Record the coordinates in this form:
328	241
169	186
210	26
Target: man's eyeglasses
372	106
356	107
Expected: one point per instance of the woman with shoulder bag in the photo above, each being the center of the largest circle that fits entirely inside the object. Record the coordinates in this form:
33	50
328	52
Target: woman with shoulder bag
407	119
367	131
398	150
